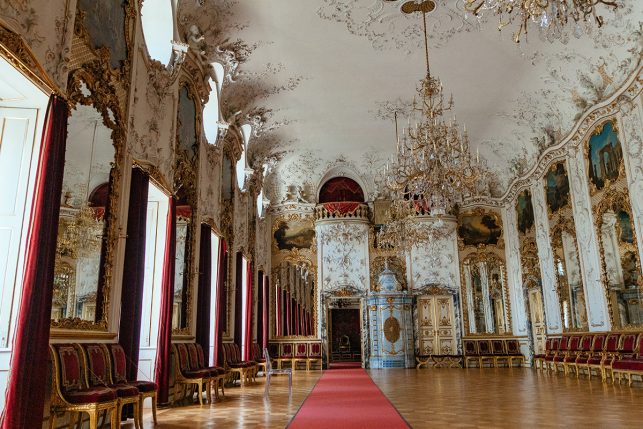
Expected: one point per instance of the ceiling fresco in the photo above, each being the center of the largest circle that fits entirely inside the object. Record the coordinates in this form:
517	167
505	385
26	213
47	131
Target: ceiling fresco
320	81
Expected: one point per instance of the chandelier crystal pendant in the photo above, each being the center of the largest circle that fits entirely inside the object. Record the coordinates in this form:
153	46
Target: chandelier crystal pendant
556	19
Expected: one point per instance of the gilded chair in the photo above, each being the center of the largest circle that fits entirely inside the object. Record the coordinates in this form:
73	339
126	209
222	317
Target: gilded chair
514	353
300	356
258	358
563	350
98	374
471	352
629	365
583	354
234	364
573	350
70	392
596	354
185	377
549	357
610	353
499	352
146	389
285	355
485	351
314	355
221	374
539	359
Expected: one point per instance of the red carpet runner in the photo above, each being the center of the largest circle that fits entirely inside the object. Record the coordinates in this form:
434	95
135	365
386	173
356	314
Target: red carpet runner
347	398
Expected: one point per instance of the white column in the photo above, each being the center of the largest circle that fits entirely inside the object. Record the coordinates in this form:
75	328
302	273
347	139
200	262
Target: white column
486	302
548	277
595	298
631	122
514	272
470	304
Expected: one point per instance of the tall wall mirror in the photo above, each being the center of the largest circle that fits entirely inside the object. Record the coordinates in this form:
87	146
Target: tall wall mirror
82	222
569	279
293	299
185	184
486	300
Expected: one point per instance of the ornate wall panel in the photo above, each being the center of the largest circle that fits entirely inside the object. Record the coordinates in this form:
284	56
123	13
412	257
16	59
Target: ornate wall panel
552	305
514	272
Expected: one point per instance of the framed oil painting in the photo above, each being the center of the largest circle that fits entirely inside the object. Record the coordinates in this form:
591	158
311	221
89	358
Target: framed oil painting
605	155
557	187
294	234
524	211
105	23
479	228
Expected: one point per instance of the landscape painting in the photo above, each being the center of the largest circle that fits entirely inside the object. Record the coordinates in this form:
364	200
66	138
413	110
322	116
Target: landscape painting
557	187
605	155
524	211
294	234
475	229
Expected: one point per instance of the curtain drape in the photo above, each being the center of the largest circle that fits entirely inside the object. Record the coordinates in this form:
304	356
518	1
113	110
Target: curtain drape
238	300
25	394
162	370
288	314
222	301
204	293
260	305
248	332
129	335
278	315
266	310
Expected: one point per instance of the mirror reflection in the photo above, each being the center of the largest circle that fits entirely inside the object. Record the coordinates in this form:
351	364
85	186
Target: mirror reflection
85	195
294	291
622	264
485	294
182	263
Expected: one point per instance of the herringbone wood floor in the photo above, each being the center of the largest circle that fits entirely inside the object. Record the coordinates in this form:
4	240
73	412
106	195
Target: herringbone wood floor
436	398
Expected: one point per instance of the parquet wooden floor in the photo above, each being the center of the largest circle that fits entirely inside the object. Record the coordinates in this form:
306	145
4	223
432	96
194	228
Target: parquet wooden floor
435	398
508	398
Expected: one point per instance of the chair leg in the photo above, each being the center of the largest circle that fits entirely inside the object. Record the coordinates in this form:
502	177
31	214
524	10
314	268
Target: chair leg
137	406
153	409
267	388
52	419
114	421
93	420
289	384
200	395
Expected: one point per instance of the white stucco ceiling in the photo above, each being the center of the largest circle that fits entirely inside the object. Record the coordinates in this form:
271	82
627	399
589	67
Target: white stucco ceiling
326	69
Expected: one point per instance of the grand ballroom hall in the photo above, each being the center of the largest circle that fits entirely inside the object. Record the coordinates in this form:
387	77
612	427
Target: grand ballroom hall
321	214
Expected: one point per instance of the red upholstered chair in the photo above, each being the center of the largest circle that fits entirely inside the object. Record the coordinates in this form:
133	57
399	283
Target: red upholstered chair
218	372
315	354
471	352
572	352
70	392
549	358
98	374
484	348
583	354
610	352
563	350
514	353
258	358
499	352
234	364
286	351
300	355
539	359
597	354
146	389
197	364
629	365
186	377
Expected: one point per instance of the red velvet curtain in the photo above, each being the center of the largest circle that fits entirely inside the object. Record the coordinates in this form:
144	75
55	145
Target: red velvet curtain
278	314
25	395
220	311
288	321
260	306
129	335
238	303
248	332
162	373
266	311
204	293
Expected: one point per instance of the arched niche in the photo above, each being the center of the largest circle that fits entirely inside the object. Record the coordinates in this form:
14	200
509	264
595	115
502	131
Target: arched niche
342	171
341	189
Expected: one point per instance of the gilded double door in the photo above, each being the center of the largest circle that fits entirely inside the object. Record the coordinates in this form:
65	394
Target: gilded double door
436	325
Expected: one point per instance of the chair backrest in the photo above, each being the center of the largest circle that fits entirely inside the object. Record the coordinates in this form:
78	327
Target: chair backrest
236	351
497	347
611	343
97	364
639	347
273	348
470	348
193	356
285	350
266	356
484	347
562	346
256	352
118	363
555	343
586	343
513	347
200	355
548	345
574	342
598	343
628	343
301	350
315	351
182	354
70	367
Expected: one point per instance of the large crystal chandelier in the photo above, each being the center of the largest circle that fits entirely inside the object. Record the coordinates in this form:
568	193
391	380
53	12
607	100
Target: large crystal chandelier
556	19
433	169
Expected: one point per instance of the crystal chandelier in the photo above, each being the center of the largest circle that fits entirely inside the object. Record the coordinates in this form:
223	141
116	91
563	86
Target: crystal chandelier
433	169
555	18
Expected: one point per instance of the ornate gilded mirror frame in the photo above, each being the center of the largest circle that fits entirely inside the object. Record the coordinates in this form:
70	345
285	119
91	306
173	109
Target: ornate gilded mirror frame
488	257
616	201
